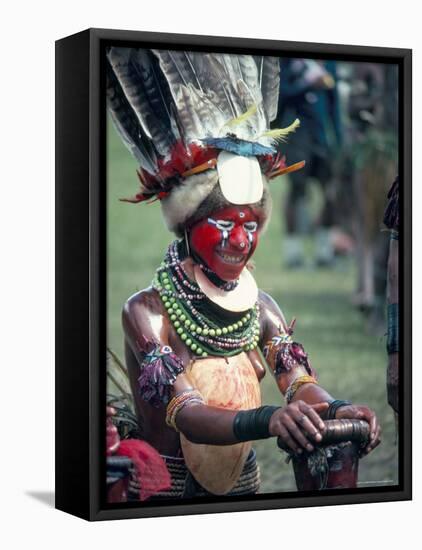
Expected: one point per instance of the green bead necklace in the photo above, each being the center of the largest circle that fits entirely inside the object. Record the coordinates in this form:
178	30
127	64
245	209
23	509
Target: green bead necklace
187	308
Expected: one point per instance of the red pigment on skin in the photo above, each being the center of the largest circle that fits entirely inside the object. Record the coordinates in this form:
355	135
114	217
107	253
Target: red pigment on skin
206	240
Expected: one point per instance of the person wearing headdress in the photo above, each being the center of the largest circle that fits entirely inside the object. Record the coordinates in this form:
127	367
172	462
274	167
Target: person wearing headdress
198	124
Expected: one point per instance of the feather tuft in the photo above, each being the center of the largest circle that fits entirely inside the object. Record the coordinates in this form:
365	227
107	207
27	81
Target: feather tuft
243	117
280	134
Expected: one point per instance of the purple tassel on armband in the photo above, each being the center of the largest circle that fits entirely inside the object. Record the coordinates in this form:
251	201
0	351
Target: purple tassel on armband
289	355
160	368
286	353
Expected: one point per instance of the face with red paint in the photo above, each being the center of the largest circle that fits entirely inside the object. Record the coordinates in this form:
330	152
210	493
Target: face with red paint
227	239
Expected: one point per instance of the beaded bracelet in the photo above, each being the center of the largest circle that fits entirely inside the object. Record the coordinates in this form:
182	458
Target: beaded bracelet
179	402
295	385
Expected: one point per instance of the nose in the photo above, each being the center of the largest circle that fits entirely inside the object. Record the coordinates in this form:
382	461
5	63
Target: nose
238	239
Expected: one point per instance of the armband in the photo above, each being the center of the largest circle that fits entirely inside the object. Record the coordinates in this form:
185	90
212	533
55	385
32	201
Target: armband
393	328
284	354
253	424
295	385
159	370
187	397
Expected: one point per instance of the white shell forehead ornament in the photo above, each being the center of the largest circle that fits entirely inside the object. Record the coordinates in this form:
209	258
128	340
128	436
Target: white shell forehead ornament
240	178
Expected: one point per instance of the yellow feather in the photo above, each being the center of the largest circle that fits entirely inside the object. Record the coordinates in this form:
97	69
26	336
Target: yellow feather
282	133
241	118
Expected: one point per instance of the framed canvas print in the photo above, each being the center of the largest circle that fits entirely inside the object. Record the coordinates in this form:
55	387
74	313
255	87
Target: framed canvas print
233	274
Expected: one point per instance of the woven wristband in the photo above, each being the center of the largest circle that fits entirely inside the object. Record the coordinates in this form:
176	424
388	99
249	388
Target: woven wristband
253	424
334	406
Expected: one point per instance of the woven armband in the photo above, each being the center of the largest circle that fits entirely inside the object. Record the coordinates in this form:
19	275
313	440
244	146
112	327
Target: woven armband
253	424
283	354
393	328
159	370
296	384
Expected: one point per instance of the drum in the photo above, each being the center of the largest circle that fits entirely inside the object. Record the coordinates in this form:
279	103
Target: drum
334	463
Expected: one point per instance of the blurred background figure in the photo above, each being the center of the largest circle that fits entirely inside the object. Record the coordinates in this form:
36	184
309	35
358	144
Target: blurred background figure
309	92
348	137
369	99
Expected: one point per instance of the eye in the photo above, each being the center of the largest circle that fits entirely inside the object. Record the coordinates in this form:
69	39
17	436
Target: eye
250	227
222	225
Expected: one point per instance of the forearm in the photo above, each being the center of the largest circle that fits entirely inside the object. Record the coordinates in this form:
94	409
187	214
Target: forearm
311	394
226	427
295	377
207	425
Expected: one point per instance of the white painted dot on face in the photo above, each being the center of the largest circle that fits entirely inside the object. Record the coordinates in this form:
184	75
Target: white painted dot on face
241	214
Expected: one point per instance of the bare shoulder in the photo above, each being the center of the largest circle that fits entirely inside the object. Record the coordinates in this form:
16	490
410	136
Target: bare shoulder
143	316
267	303
146	301
272	317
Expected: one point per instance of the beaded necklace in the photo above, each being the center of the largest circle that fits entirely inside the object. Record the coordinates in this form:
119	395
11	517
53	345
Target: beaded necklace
196	319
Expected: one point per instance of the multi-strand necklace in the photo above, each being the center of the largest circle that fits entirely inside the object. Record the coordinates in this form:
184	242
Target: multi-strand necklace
196	319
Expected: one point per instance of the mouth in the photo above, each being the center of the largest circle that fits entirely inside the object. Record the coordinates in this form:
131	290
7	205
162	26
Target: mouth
234	259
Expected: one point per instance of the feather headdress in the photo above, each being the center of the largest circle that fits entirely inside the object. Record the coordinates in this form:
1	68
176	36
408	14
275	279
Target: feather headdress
182	113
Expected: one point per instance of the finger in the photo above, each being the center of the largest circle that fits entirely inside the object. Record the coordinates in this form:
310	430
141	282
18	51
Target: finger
113	448
313	416
111	429
370	417
375	441
373	424
286	437
110	411
307	422
297	434
320	407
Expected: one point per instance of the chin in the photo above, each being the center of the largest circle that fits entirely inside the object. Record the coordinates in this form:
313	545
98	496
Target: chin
229	272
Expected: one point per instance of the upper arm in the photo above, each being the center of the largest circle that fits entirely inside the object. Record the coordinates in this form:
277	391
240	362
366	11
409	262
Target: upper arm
274	324
159	367
273	320
144	322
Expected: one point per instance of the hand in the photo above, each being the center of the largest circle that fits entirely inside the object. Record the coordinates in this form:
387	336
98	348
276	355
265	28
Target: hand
393	381
112	435
361	412
298	425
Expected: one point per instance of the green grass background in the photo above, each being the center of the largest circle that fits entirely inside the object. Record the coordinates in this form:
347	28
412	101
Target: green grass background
350	363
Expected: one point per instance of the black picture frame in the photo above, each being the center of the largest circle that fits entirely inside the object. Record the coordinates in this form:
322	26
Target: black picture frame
81	272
